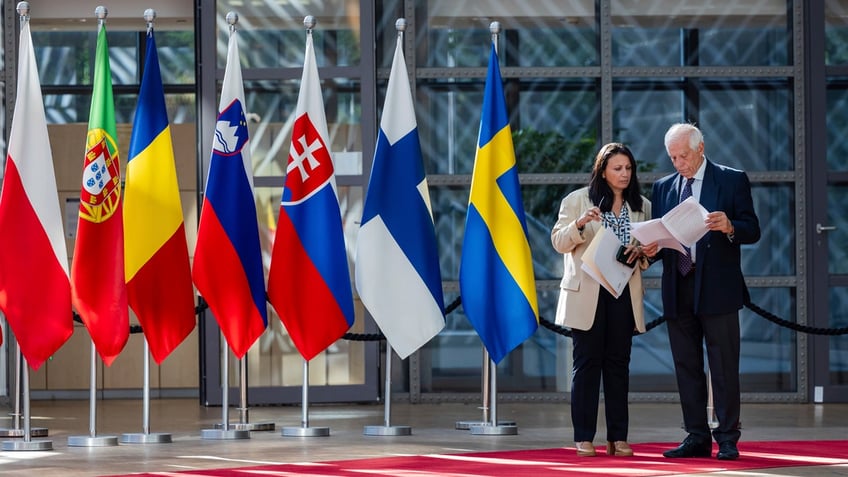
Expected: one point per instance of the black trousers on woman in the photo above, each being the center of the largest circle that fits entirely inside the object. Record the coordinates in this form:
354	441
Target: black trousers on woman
603	351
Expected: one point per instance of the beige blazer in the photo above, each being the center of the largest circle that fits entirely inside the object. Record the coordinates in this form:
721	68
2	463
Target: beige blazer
578	296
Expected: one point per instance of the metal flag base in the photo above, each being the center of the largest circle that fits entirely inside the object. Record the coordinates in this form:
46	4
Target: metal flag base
33	432
387	431
27	445
224	434
249	426
467	425
149	438
305	431
92	441
490	430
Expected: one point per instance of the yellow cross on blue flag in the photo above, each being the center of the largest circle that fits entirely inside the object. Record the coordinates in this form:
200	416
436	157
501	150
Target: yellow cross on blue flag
496	279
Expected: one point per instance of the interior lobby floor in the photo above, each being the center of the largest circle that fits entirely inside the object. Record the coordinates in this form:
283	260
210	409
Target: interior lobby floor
540	425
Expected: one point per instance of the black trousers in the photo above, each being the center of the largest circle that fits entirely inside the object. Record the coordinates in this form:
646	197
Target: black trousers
687	334
603	351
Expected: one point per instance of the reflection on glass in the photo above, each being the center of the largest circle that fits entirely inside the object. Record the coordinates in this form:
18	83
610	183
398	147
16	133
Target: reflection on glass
719	33
837	122
838	344
768	350
836	32
272	34
746	124
837	239
270	112
532	34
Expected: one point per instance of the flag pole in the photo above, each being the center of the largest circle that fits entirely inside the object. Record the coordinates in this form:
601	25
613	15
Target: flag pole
387	429
93	440
16	430
145	436
27	444
304	430
225	432
492	426
244	417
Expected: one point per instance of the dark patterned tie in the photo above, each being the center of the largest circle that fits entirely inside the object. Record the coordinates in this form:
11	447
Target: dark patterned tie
684	262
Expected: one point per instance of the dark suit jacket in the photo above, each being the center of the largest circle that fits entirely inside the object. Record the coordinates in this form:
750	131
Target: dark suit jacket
719	285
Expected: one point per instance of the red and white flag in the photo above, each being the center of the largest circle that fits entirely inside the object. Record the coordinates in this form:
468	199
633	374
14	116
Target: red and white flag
35	292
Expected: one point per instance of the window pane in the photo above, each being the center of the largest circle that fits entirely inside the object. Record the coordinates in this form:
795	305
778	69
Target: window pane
272	35
533	33
836	32
837	122
838	355
270	112
747	125
719	33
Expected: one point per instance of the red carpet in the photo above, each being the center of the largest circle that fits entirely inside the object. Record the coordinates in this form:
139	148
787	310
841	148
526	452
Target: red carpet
647	462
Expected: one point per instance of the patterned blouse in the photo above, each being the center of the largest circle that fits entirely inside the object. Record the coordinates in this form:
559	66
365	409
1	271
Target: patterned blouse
619	225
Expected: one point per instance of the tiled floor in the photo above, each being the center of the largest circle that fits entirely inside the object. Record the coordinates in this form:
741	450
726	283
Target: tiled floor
540	425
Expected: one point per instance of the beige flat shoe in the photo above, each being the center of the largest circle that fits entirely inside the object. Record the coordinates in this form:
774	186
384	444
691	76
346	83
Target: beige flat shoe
585	449
619	448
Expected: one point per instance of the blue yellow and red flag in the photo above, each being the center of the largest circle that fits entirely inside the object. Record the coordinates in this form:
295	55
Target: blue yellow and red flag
158	273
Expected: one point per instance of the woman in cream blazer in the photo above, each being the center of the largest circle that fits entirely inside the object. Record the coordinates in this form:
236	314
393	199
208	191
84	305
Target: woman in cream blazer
602	326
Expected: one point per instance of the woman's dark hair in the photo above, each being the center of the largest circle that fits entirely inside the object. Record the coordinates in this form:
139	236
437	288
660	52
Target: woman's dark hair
598	187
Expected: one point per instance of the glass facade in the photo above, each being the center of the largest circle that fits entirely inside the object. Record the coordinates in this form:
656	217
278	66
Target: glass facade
577	74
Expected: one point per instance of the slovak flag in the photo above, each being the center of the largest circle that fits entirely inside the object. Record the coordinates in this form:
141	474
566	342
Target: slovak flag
227	267
397	260
309	279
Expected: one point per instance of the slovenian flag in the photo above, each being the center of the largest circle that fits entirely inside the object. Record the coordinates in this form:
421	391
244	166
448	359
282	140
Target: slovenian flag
496	280
309	279
158	273
227	266
35	292
98	284
397	260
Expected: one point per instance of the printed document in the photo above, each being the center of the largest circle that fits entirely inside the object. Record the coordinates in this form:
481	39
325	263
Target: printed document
682	225
599	263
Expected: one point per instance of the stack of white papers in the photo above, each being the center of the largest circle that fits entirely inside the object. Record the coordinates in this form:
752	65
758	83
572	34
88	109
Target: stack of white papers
599	263
682	225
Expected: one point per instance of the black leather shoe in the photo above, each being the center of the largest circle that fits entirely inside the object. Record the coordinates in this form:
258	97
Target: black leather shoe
727	451
691	447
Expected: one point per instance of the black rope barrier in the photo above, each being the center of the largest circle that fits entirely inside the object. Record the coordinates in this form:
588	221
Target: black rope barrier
561	330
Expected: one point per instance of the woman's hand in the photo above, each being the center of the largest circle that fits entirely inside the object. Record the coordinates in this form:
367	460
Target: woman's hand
592	213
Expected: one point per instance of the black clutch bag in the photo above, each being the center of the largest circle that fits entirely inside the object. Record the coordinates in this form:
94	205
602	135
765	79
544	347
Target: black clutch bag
622	257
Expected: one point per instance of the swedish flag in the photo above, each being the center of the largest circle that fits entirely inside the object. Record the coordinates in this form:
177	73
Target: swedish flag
496	280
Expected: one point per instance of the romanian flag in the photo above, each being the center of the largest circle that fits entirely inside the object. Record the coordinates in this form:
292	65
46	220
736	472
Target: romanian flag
35	293
158	273
496	280
97	272
227	259
309	280
397	260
